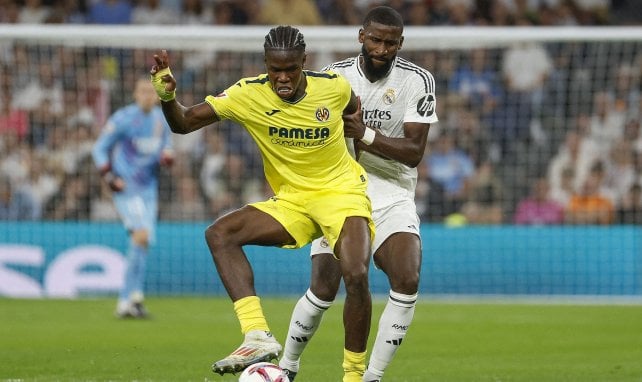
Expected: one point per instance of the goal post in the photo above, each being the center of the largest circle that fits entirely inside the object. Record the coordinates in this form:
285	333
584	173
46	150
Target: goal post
334	38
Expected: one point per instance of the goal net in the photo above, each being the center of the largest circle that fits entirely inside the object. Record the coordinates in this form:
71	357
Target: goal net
536	158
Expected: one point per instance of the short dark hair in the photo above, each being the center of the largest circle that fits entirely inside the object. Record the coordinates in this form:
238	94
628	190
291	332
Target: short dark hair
284	37
383	15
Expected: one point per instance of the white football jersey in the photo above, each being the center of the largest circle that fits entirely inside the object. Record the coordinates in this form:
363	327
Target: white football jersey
406	94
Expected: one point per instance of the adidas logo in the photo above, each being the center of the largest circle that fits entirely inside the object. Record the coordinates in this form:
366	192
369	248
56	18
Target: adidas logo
396	342
300	339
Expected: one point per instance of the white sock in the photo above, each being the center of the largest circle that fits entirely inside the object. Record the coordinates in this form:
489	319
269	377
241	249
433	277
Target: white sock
122	306
393	326
137	297
304	322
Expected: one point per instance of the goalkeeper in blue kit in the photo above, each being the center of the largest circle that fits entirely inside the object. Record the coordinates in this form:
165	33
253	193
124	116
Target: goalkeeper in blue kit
132	145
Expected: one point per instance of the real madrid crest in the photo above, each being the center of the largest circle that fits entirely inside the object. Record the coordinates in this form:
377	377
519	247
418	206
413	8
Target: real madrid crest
389	97
322	114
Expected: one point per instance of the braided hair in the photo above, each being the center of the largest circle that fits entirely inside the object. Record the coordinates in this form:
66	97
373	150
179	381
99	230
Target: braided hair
284	37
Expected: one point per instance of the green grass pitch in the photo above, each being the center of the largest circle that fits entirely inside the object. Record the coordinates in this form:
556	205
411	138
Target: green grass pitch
80	340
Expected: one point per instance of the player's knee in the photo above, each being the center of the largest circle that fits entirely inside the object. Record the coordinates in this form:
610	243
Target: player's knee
356	279
215	237
326	276
325	288
140	237
404	285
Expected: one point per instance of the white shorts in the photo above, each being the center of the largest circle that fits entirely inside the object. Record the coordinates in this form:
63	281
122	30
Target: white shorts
400	216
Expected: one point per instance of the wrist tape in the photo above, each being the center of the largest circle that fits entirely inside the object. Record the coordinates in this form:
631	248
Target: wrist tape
159	85
368	136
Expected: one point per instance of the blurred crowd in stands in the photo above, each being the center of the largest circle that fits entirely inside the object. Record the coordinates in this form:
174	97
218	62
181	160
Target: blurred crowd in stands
529	134
321	12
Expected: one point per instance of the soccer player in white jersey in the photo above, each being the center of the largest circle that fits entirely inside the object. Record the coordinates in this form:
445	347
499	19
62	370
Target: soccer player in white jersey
398	106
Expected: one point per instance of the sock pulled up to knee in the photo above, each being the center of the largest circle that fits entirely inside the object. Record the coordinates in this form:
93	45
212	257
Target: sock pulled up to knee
393	326
305	320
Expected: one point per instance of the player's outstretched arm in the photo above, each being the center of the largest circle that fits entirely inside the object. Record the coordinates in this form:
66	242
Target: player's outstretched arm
181	119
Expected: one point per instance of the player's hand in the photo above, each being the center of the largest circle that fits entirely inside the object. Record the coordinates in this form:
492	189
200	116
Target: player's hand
115	183
353	126
162	78
167	158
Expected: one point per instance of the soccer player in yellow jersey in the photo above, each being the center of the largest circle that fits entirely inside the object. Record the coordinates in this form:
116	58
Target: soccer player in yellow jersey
296	118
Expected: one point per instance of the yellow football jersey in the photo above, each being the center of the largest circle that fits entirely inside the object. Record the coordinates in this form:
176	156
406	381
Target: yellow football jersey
301	142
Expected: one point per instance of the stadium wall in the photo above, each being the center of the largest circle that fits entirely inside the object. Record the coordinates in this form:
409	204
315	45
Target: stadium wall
69	260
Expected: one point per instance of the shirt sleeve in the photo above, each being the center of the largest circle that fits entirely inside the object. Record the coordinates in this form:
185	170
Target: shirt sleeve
232	103
167	132
422	101
108	137
344	89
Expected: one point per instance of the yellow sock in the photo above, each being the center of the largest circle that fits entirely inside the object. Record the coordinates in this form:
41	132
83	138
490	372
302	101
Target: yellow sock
354	365
250	314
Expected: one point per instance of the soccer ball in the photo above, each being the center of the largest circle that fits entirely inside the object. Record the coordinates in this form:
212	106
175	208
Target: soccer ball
263	372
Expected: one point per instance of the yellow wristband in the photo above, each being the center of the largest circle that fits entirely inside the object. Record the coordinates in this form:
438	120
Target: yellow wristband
159	85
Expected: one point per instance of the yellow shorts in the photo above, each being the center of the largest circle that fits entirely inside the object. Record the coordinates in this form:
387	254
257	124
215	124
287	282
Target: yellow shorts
309	215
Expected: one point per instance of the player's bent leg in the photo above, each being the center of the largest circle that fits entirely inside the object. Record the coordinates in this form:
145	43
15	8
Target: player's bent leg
400	258
325	276
393	326
307	314
304	322
353	250
131	296
226	238
141	240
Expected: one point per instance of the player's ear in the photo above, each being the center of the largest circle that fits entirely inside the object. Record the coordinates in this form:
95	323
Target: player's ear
400	43
361	35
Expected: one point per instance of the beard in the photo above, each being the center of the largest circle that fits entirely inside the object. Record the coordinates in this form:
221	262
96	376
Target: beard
371	69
